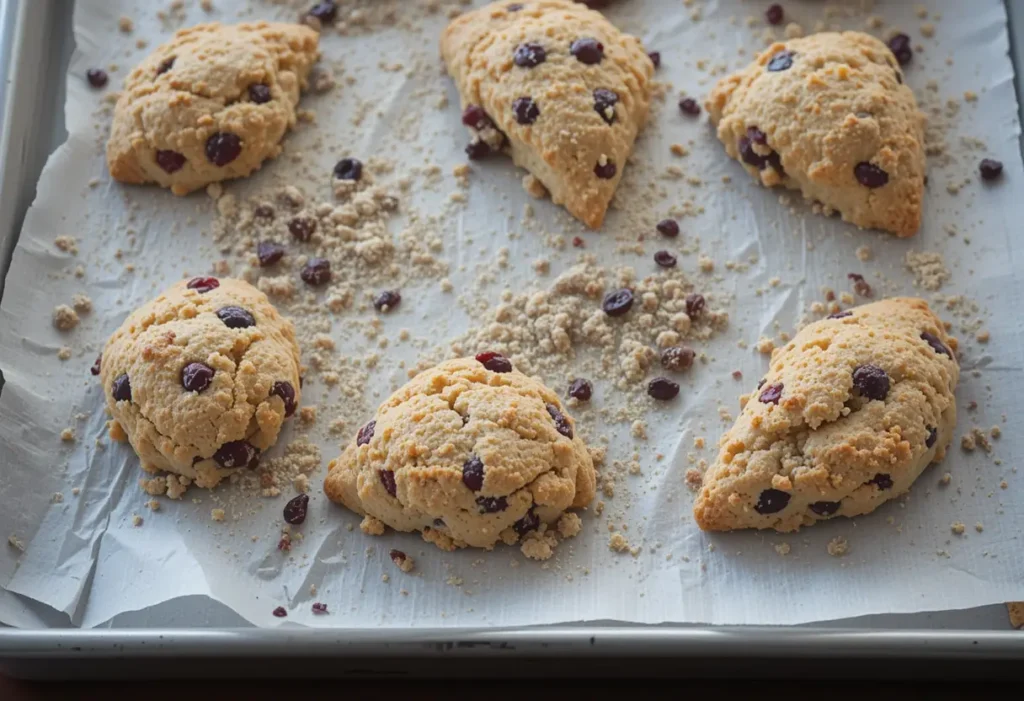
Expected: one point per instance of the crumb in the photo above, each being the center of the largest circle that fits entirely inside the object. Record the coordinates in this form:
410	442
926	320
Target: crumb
67	435
838	546
534	187
15	542
136	520
979	526
1016	611
678	150
706	264
372	526
982	336
402	561
125	24
929	269
68	244
782	548
537	548
569	525
693	479
64	317
765	345
864	253
57	498
957	527
64	353
618	542
153	505
217	515
995	432
81	303
945	479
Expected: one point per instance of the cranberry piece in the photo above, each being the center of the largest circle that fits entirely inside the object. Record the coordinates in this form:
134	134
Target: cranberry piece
662	388
757	136
491	505
618	302
97	77
203	284
514	7
195	377
269	253
316	271
237	454
397	556
285	390
236	317
473	474
824	508
668	227
774	14
387	300
870	175
529	55
578	242
348	169
223	147
474	117
477	150
562	424
839	315
749	156
771	394
937	345
302	228
990	168
860	285
882	481
771	501
677	358
495	362
170	161
280	612
871	381
695	304
319	608
900	47
689	106
581	389
525	110
604	104
782	61
259	93
387	478
121	389
665	259
606	171
366	433
263	211
166	65
655	57
529	522
324	11
95	369
587	50
295	510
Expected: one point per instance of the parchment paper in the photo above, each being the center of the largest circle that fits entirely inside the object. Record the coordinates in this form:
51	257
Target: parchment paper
85	562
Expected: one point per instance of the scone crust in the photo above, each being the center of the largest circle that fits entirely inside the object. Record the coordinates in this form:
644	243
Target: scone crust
205	91
823	443
569	138
842	102
427	431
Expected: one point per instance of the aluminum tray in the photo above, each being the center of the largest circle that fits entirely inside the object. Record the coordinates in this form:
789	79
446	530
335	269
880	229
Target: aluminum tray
36	44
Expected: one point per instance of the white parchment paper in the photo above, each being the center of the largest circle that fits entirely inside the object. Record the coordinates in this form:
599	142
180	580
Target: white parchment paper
85	562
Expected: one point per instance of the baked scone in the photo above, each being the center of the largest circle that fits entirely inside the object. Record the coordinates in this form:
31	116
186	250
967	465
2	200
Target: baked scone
469	452
851	411
201	378
211	104
559	88
829	115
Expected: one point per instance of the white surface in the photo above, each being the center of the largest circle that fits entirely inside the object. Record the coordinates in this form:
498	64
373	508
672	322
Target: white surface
85	558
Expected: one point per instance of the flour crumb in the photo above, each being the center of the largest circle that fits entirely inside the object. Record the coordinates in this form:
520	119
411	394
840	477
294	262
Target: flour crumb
217	515
929	269
402	561
372	526
782	548
958	527
569	525
15	542
67	435
137	520
64	317
838	546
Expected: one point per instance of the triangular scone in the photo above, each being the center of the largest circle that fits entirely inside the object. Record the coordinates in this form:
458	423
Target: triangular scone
559	87
829	115
211	104
849	414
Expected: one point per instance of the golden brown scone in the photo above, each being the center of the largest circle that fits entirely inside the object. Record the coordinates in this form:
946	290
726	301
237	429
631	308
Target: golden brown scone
558	87
211	104
468	454
829	115
1016	611
851	411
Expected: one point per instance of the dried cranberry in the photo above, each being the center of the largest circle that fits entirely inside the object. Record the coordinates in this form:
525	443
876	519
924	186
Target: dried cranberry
774	14
604	104
324	11
280	612
578	242
195	377
900	47
840	315
387	478
882	481
203	284
366	433
937	345
495	362
223	147
474	117
990	168
387	300
581	389
695	304
269	253
870	175
285	390
316	271
668	227
662	388
562	424
933	435
606	171
782	61
655	57
751	157
473	474
529	55
529	522
824	508
319	608
618	302
771	394
689	106
477	150
348	169
259	93
525	110
491	505
295	510
263	211
397	556
771	501
236	317
166	65
860	285
665	259
170	161
871	381
587	50
514	7
237	454
97	77
121	389
302	228
757	136
95	369
677	358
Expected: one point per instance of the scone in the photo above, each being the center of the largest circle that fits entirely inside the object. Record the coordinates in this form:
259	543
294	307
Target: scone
211	104
851	411
201	378
559	88
829	115
469	452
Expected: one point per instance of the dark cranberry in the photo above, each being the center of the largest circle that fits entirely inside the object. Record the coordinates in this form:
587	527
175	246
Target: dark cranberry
259	93
774	14
316	271
286	392
263	211
824	508
881	480
871	381
665	259
280	612
223	147
578	242
495	362
771	501
397	556
514	7
269	253
474	117
387	300
606	171
529	522
581	389
473	474
97	77
491	505
695	304
587	50
870	175
324	11
170	161
348	169
757	136
990	169
933	435
477	150
166	65
439	523
668	227
771	394
618	302
387	478
95	369
749	156
237	454
689	106
655	57
121	389
935	343
203	284
900	47
295	510
529	55
860	285
662	388
236	317
302	228
840	315
782	61
195	377
525	110
366	433
562	424
604	104
319	608
677	358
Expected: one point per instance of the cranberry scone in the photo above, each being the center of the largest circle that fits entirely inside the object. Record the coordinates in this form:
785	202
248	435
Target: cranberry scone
558	87
470	452
211	104
829	115
201	378
851	411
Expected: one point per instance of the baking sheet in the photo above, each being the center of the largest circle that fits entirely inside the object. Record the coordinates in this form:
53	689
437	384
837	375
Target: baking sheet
106	566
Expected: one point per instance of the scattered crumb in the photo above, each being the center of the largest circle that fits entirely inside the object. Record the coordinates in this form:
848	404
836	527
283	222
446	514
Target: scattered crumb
957	527
372	526
864	253
782	548
64	353
15	542
67	435
136	520
64	317
402	561
125	24
838	546
217	514
569	525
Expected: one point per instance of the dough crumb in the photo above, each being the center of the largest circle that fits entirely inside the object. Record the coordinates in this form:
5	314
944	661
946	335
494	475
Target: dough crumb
68	244
929	269
57	498
402	561
67	435
569	525
957	527
765	345
782	548
15	542
64	353
137	520
125	24
838	546
64	317
864	253
217	515
372	526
